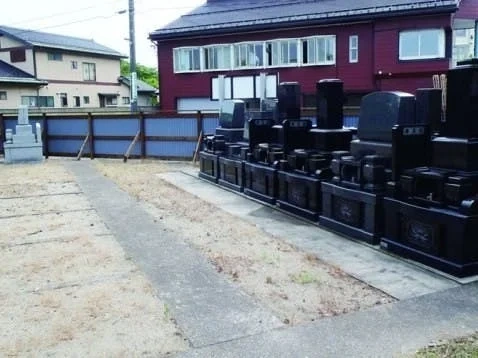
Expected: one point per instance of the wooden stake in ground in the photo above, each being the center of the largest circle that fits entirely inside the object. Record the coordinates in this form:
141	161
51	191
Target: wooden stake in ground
198	145
80	153
131	146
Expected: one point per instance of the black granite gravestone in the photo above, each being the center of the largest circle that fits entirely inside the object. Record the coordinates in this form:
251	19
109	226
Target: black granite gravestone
429	108
330	104
431	215
231	120
300	181
352	202
462	103
288	97
380	111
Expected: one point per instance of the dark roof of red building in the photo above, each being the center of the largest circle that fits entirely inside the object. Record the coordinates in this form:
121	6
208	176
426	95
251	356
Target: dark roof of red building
219	16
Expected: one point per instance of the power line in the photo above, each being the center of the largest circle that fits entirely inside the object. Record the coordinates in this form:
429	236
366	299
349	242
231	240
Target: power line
87	19
142	10
59	14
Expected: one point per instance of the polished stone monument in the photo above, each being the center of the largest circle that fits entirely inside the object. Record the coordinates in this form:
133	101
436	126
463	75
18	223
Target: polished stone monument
389	141
25	145
300	177
431	212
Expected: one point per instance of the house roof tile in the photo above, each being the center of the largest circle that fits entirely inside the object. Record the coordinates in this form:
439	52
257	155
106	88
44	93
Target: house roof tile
9	73
48	40
220	15
142	86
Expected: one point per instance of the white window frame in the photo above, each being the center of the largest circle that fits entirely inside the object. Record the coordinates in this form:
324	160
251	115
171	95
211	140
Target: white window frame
89	71
316	61
177	52
237	49
226	48
353	48
441	44
277	49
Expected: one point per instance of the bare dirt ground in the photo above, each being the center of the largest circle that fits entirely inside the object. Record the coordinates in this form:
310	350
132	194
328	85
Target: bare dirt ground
293	284
66	286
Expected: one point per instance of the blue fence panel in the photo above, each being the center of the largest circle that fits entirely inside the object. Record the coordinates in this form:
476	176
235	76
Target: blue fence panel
114	147
171	127
170	149
351	121
209	125
67	146
68	126
10	123
115	127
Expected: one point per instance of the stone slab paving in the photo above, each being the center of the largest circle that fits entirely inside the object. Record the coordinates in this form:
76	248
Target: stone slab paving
396	277
206	307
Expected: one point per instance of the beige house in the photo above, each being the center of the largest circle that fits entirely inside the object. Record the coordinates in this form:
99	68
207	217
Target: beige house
48	70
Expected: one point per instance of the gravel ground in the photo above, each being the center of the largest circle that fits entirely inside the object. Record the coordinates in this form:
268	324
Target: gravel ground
295	285
66	286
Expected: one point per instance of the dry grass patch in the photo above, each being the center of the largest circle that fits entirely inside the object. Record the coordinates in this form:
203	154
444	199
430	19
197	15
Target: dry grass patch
294	284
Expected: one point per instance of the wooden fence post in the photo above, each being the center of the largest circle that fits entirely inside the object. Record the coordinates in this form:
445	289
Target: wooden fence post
200	123
46	150
142	136
2	130
92	136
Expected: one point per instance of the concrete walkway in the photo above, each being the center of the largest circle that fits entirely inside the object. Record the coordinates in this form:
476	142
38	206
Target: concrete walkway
206	307
392	275
221	321
385	331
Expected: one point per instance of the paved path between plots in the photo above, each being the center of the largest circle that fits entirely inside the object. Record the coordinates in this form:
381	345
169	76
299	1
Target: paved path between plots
394	276
206	307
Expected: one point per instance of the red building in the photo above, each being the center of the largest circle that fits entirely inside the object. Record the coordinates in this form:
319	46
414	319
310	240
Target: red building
370	45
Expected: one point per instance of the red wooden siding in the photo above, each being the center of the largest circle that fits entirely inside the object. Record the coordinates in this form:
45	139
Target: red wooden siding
378	51
468	10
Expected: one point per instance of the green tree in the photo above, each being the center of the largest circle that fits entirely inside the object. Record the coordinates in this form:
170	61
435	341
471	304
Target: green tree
145	73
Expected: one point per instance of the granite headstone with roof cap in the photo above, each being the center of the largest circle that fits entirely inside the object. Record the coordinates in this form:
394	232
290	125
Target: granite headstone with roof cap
25	145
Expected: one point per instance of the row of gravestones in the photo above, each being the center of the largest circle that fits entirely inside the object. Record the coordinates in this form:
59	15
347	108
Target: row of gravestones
407	180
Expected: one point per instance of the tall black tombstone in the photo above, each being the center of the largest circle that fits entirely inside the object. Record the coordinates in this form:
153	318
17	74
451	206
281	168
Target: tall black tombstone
329	135
429	108
306	168
431	215
330	103
288	100
266	158
352	203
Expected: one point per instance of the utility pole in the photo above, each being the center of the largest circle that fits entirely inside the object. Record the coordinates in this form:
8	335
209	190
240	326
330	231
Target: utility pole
132	59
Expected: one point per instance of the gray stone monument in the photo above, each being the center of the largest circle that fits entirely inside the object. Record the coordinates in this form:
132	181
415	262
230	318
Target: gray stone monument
25	145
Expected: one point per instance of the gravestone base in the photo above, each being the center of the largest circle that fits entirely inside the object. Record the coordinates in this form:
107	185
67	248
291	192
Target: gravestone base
231	134
299	195
355	213
23	152
209	166
440	238
260	182
231	174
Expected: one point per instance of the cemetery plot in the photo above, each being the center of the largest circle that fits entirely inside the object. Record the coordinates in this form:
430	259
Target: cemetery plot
66	286
295	286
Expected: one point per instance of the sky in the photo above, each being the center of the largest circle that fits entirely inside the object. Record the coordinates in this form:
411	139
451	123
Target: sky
98	20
